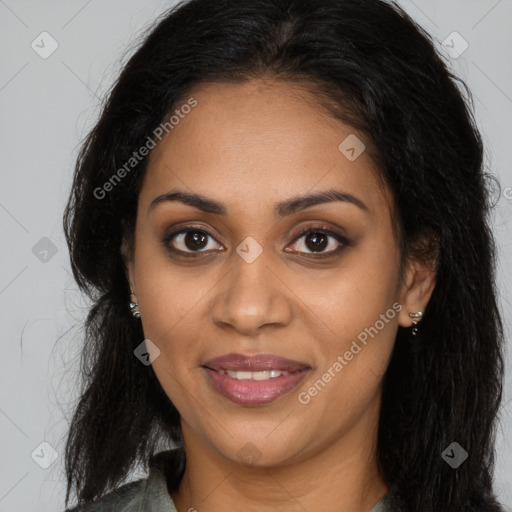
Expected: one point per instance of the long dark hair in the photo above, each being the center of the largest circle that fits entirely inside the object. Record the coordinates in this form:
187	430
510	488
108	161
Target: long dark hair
378	71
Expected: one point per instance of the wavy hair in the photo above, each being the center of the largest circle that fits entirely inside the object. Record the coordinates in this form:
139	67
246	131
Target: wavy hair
378	71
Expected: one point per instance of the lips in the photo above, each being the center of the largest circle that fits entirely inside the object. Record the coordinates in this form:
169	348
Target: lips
254	380
255	363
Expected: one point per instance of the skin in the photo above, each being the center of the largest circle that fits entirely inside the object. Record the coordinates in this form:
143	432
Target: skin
250	146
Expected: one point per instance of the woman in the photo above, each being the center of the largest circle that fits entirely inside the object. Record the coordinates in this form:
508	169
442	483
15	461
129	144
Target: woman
280	217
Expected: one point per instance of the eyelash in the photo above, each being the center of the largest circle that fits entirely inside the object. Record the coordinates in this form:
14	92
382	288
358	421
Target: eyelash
308	230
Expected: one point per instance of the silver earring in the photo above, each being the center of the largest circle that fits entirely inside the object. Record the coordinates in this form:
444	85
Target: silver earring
134	307
415	323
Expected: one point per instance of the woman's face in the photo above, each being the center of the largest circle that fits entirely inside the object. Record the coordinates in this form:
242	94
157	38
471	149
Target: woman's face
244	282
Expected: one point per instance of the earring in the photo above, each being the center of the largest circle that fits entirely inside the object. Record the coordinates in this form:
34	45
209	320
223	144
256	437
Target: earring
134	307
414	323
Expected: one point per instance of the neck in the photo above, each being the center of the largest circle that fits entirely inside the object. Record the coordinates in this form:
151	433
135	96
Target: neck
342	476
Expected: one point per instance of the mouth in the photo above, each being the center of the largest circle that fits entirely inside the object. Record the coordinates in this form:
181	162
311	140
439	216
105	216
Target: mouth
259	375
254	380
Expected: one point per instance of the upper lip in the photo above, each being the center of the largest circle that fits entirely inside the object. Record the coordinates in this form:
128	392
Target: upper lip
254	363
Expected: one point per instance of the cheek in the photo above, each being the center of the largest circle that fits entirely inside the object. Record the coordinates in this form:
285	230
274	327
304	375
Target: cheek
353	360
352	297
170	320
360	308
169	296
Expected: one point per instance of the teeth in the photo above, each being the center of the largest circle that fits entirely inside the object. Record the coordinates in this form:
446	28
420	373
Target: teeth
263	375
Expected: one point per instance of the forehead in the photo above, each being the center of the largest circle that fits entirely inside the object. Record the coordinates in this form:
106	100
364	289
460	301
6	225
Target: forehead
258	140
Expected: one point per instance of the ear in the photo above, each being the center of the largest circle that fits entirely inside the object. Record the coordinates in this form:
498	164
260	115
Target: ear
127	256
419	281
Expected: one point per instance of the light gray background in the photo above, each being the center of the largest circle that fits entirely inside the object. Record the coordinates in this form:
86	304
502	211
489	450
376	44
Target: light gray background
48	105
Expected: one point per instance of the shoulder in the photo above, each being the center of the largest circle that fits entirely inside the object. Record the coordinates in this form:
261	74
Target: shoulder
151	493
123	499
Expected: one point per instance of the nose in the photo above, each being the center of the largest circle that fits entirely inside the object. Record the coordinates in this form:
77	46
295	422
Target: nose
251	297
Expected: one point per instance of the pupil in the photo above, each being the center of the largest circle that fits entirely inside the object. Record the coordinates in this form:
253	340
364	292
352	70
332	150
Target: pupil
318	239
195	240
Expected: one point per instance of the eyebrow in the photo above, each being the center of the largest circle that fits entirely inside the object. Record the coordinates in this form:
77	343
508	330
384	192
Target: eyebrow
282	209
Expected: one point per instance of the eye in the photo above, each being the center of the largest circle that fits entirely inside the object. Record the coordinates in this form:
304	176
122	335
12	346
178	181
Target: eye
316	240
192	240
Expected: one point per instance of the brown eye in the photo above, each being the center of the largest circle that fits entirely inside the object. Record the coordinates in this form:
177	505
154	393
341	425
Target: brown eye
192	241
189	240
195	240
317	240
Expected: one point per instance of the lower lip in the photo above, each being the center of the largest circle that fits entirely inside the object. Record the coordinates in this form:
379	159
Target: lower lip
254	392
